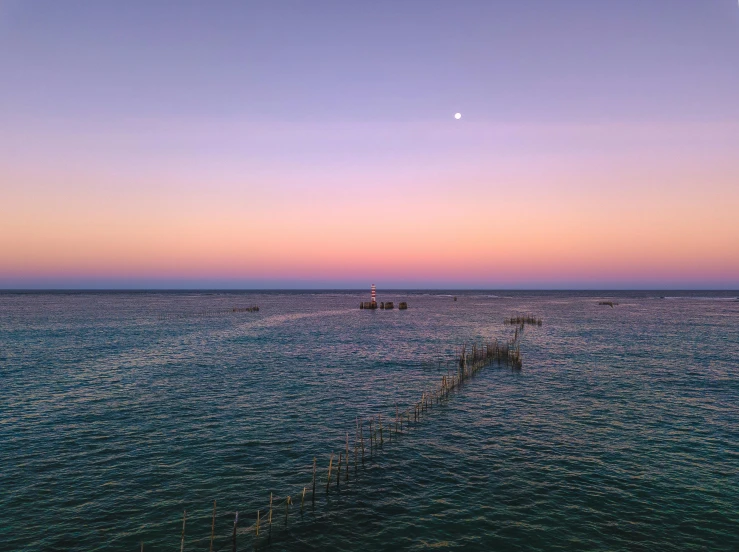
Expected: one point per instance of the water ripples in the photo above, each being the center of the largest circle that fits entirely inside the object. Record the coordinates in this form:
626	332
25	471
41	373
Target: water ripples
619	433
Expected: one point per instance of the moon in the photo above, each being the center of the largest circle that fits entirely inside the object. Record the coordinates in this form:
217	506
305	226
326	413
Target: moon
457	116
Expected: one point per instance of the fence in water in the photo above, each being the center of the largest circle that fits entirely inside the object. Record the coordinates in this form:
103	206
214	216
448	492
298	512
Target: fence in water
256	528
525	319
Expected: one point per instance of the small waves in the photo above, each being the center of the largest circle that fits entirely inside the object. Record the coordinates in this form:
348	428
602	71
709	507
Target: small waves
620	426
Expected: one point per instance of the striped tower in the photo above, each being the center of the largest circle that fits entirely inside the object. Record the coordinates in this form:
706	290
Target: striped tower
374	297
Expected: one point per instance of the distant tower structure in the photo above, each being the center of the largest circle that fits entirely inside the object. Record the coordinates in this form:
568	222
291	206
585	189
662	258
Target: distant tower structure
374	296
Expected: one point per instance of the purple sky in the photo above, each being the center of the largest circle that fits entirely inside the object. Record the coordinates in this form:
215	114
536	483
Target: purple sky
108	105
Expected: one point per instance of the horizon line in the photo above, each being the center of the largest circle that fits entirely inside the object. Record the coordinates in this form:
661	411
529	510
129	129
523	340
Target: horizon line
204	289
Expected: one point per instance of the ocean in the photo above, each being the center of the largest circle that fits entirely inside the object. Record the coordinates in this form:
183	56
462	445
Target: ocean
121	410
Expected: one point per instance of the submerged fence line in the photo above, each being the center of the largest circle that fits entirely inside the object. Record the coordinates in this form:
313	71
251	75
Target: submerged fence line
205	313
469	362
524	319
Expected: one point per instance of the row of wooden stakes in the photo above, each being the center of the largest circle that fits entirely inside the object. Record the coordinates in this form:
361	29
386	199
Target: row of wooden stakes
469	363
526	319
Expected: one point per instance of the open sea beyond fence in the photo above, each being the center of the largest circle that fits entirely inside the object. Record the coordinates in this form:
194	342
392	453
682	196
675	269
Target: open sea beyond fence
118	411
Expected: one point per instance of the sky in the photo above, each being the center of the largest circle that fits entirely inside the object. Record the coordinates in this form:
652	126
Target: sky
291	144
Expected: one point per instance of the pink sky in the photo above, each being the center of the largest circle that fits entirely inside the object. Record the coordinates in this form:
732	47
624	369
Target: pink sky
637	203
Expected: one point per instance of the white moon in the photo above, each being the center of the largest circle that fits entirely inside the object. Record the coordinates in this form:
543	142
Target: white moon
457	116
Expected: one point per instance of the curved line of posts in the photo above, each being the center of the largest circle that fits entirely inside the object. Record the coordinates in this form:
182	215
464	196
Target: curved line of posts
468	364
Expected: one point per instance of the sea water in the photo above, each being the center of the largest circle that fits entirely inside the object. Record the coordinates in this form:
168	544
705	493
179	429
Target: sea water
120	410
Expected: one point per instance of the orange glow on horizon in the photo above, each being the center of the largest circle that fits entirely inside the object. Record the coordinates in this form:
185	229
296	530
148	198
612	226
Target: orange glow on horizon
547	218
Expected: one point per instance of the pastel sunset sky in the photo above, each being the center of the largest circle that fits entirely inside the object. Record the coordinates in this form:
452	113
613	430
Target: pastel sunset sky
313	144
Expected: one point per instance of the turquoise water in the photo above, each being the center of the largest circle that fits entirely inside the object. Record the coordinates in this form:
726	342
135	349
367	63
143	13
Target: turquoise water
620	433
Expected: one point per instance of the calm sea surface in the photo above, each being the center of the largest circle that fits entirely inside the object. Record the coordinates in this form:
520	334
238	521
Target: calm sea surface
620	433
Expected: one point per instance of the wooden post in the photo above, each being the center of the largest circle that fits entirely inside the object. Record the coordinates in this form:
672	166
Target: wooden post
338	472
213	526
236	522
374	432
313	496
379	420
184	519
258	512
371	437
270	514
361	437
302	500
347	457
287	509
328	481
